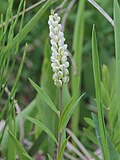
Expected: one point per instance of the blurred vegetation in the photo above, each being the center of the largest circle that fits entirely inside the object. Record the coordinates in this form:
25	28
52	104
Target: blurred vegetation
38	38
38	35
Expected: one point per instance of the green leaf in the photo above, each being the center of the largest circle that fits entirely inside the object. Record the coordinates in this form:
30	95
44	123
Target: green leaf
64	113
111	148
67	112
89	121
60	155
45	97
20	150
97	129
105	95
90	135
49	157
105	76
42	126
26	157
97	81
78	50
117	49
96	69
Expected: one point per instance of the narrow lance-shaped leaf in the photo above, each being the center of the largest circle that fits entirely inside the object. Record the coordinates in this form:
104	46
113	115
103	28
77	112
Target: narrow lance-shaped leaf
76	73
20	150
62	149
97	81
42	126
45	97
89	121
67	113
113	155
27	157
49	157
90	135
111	148
117	49
97	129
64	113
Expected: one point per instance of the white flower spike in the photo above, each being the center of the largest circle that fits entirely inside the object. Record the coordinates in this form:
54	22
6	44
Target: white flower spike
59	51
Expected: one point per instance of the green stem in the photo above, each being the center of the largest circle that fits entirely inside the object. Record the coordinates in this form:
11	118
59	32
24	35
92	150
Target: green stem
59	132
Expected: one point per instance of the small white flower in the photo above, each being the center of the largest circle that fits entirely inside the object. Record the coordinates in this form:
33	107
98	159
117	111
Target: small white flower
59	51
64	59
58	82
66	72
65	79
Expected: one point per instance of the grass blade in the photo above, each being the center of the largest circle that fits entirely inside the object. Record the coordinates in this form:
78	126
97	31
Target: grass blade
117	49
97	82
31	24
12	94
77	48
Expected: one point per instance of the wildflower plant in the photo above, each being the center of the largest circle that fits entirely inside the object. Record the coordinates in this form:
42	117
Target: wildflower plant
52	119
60	64
59	59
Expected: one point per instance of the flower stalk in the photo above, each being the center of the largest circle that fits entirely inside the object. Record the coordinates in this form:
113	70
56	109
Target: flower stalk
59	132
59	61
